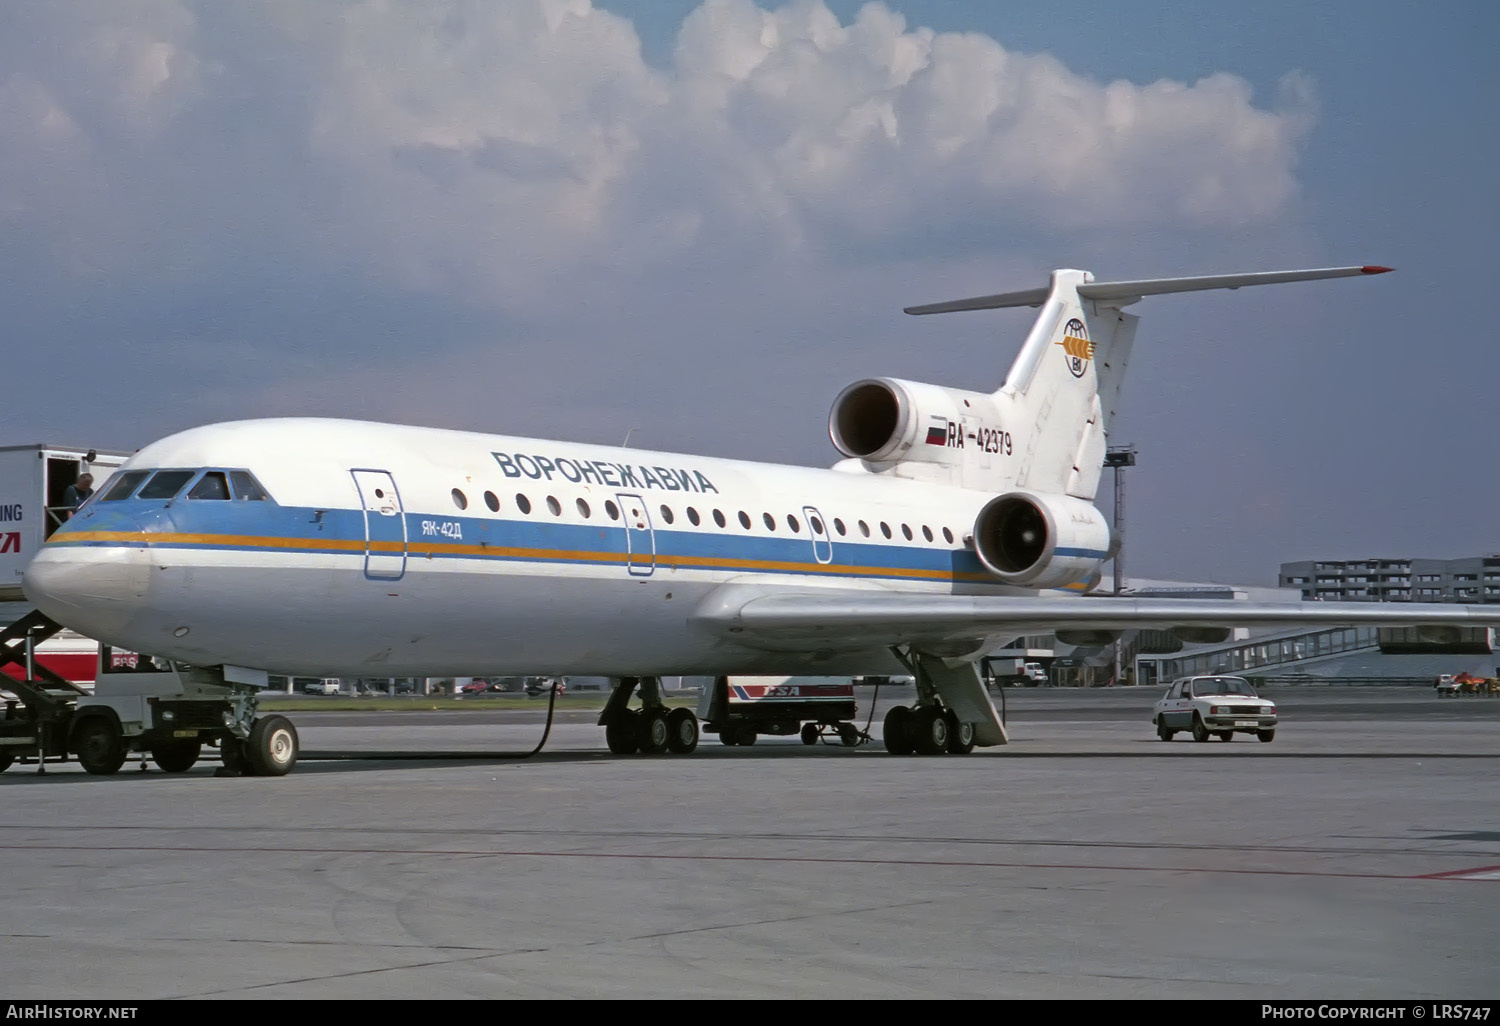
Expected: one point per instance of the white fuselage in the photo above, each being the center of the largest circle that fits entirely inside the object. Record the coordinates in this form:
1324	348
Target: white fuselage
387	550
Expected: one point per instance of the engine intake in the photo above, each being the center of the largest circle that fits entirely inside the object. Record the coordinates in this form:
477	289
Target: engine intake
1040	541
887	420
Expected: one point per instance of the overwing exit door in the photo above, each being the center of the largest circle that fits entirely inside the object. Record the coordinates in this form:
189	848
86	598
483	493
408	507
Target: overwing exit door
385	525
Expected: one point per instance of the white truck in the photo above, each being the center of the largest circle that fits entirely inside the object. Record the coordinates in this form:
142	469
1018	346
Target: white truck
1013	671
33	482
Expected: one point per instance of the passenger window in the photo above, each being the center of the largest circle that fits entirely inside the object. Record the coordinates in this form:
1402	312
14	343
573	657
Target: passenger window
522	503
666	513
124	484
927	532
612	510
906	532
492	501
213	485
885	528
815	525
165	484
583	509
947	536
460	500
791	522
718	518
745	520
770	521
693	516
864	529
554	506
838	525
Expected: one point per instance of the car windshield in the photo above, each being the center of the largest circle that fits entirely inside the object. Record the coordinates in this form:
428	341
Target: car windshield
1222	686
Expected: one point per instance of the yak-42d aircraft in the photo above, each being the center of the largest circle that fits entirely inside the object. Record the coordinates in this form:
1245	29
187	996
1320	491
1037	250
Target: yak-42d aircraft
958	520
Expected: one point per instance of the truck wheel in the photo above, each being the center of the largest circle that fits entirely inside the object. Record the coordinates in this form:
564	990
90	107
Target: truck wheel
99	747
810	733
272	748
744	735
176	756
682	731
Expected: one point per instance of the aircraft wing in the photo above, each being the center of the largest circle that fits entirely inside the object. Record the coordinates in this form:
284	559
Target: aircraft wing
814	619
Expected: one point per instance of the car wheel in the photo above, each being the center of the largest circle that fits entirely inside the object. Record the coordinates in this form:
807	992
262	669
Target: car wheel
1163	731
1225	735
1266	735
1200	732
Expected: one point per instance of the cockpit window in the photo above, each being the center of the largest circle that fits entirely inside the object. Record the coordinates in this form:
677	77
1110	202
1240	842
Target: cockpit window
246	488
165	484
123	485
212	486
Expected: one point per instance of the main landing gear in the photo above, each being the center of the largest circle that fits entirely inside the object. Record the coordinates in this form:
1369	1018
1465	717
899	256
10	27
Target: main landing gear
651	729
927	730
952	714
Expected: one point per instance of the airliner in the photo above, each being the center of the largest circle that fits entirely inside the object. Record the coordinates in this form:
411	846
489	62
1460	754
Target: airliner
957	521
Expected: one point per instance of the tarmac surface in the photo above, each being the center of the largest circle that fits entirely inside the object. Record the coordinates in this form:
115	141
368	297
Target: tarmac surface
1356	856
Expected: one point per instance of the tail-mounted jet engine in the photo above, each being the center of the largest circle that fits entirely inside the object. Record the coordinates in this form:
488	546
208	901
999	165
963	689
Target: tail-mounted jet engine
886	420
1040	541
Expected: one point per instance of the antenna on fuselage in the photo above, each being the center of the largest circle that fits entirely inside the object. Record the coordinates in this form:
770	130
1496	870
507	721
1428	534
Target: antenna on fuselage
627	438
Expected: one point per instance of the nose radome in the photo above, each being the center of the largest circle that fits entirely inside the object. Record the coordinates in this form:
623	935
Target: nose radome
95	591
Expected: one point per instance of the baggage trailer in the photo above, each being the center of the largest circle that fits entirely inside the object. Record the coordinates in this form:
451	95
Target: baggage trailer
139	705
739	709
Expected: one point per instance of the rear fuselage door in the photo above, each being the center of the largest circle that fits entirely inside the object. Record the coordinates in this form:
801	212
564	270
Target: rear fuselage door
818	527
640	539
385	525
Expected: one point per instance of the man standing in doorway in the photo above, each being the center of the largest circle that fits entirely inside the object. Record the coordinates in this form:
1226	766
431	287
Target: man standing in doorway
77	494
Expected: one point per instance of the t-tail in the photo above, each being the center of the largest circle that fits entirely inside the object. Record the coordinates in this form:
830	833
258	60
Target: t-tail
1060	396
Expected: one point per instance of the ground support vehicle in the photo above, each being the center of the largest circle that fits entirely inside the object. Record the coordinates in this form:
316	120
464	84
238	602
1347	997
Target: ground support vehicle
136	707
739	709
1013	671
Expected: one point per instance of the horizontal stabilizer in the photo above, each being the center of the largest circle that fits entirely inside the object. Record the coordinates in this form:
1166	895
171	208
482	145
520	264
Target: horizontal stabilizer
1130	291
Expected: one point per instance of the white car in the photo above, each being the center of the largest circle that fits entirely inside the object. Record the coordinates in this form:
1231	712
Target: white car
1214	707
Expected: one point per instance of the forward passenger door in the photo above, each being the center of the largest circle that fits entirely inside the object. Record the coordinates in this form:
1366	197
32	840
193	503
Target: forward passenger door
385	524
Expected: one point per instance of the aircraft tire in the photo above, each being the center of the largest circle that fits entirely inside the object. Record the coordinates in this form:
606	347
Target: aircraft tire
272	748
100	750
176	756
960	735
897	731
809	733
653	733
682	731
232	755
930	730
623	735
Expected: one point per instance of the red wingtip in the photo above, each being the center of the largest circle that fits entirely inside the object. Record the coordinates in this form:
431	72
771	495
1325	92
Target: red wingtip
1373	269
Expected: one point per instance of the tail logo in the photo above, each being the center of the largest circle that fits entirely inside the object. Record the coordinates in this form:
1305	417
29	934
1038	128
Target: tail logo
1076	347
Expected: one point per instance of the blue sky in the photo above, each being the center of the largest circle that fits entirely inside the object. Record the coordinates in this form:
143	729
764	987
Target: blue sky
538	217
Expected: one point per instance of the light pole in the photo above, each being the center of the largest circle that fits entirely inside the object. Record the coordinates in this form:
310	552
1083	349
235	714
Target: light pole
1119	457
